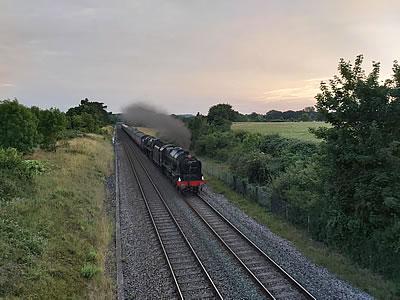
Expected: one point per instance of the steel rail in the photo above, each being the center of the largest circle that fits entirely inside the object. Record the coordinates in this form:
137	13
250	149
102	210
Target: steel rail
215	289
154	224
289	278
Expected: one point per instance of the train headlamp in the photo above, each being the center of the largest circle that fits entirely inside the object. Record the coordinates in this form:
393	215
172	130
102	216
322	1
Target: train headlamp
179	179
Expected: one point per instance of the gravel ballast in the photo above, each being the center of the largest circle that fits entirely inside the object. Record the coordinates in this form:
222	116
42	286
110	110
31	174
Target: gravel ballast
230	278
146	275
145	272
319	281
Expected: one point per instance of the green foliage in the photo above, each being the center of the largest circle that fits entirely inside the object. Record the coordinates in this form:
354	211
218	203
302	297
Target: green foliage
349	184
89	116
18	126
362	163
15	175
35	167
49	234
300	184
89	270
220	116
51	123
216	143
257	166
198	126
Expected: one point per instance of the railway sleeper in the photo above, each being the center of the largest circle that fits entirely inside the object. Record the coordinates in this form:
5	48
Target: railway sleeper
183	260
178	250
193	289
194	272
182	269
253	259
172	239
279	287
289	295
245	251
198	280
168	230
257	264
164	220
176	256
268	276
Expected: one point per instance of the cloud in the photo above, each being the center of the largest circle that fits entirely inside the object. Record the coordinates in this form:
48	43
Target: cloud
187	54
305	89
7	84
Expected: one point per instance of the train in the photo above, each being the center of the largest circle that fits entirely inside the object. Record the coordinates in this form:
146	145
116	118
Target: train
182	168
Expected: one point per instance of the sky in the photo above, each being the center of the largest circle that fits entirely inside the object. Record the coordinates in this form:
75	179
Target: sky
184	56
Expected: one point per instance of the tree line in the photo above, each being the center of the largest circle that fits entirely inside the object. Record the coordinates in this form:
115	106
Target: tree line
306	114
349	182
303	115
25	128
22	129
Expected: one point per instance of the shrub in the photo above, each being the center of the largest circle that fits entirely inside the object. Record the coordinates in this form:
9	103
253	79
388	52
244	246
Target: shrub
89	270
18	126
15	174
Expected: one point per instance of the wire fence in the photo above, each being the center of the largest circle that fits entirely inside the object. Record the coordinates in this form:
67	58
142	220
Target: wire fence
263	195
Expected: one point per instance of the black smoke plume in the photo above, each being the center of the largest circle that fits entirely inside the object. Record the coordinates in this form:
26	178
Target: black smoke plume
169	129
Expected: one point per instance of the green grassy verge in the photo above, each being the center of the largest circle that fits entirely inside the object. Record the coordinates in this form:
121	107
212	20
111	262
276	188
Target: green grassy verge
296	130
54	242
316	252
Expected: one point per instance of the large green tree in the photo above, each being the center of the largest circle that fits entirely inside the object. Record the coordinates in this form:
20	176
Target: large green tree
221	116
51	123
18	126
362	163
92	116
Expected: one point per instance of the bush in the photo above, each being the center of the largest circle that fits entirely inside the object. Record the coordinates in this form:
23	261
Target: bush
300	185
256	166
15	174
89	270
18	126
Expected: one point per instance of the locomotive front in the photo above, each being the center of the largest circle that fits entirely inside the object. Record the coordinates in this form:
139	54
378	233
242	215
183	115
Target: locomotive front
191	177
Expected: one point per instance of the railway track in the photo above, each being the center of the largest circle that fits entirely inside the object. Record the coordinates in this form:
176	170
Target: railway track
191	279
272	279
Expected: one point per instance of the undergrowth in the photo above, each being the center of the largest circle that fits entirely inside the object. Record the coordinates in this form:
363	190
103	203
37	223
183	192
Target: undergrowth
54	231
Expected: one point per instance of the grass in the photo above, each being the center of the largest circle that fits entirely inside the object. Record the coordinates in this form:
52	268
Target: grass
297	130
54	242
336	263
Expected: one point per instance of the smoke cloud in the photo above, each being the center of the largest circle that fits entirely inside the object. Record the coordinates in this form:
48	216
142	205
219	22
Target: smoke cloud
169	129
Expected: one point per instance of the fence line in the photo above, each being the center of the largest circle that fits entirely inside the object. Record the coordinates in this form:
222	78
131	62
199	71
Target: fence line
262	195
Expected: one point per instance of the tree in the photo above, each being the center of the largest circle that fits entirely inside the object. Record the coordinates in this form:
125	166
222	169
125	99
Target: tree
362	162
18	126
220	116
51	123
93	116
274	115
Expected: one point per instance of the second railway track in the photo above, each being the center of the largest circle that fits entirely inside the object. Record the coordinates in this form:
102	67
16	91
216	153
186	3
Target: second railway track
191	279
272	279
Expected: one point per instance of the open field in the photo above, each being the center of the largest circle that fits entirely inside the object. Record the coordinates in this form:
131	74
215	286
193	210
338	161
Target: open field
297	130
147	130
317	252
54	242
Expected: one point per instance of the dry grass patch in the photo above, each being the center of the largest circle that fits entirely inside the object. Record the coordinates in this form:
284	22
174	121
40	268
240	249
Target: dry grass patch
66	217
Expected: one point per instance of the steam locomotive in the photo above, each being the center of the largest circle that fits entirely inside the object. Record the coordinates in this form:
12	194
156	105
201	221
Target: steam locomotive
183	169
